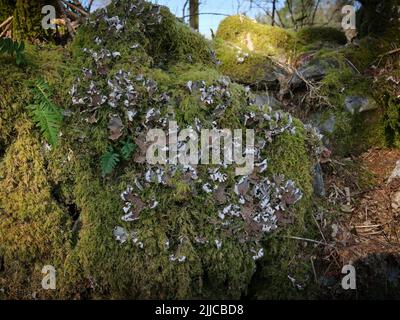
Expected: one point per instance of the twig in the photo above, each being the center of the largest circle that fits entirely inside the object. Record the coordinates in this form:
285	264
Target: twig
90	5
313	268
4	23
308	240
390	52
319	228
67	21
7	28
206	13
83	12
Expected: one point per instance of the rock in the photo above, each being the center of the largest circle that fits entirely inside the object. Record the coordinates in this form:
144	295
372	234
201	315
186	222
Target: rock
314	70
396	200
328	125
318	181
269	100
357	104
395	173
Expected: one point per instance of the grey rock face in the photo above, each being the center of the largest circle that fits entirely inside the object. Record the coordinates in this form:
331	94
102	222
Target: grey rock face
318	181
267	100
314	70
357	104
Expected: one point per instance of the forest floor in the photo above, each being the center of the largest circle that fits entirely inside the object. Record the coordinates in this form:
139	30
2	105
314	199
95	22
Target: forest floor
362	225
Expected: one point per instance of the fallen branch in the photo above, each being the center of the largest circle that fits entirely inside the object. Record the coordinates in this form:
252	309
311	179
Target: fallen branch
6	29
390	52
309	240
4	23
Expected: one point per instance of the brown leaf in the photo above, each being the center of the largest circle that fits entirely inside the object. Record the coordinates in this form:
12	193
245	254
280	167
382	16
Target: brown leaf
220	195
140	155
96	100
284	219
115	126
93	119
137	204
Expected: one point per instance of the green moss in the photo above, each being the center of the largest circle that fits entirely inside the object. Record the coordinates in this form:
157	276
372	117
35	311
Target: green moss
15	94
353	133
33	227
92	262
315	38
288	257
325	34
6	9
27	22
246	33
253	70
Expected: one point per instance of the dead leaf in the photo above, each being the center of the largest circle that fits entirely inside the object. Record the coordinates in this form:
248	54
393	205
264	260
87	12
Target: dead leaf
115	126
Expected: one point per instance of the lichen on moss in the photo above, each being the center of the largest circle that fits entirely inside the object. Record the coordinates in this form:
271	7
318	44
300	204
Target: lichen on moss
179	247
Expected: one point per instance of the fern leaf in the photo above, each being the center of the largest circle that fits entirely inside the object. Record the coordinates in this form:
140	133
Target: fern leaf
127	149
47	120
109	161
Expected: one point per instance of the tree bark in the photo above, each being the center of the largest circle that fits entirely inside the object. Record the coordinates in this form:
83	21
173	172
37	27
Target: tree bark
194	14
273	12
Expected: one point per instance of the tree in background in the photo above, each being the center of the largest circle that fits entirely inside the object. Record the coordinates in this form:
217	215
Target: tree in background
300	13
194	14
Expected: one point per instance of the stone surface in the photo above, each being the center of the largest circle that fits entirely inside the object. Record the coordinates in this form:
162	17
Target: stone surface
318	181
357	104
269	100
314	70
395	173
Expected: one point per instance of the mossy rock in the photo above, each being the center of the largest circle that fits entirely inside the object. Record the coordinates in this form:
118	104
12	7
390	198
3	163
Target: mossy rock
314	38
34	227
253	36
180	247
246	67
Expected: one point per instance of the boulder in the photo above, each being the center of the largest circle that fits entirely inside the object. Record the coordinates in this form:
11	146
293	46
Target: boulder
357	104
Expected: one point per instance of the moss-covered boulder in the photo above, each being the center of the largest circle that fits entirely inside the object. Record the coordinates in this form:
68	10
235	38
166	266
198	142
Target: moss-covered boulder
314	38
247	67
251	35
34	228
250	52
120	227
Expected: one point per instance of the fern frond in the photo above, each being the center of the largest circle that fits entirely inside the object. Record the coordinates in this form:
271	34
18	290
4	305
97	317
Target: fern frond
47	120
46	115
13	48
127	149
109	161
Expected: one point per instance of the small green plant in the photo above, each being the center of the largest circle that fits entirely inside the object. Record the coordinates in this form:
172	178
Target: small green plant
109	161
111	158
46	115
13	48
128	147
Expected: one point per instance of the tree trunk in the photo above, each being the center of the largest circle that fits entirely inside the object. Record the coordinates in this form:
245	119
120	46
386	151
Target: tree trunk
273	12
194	14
